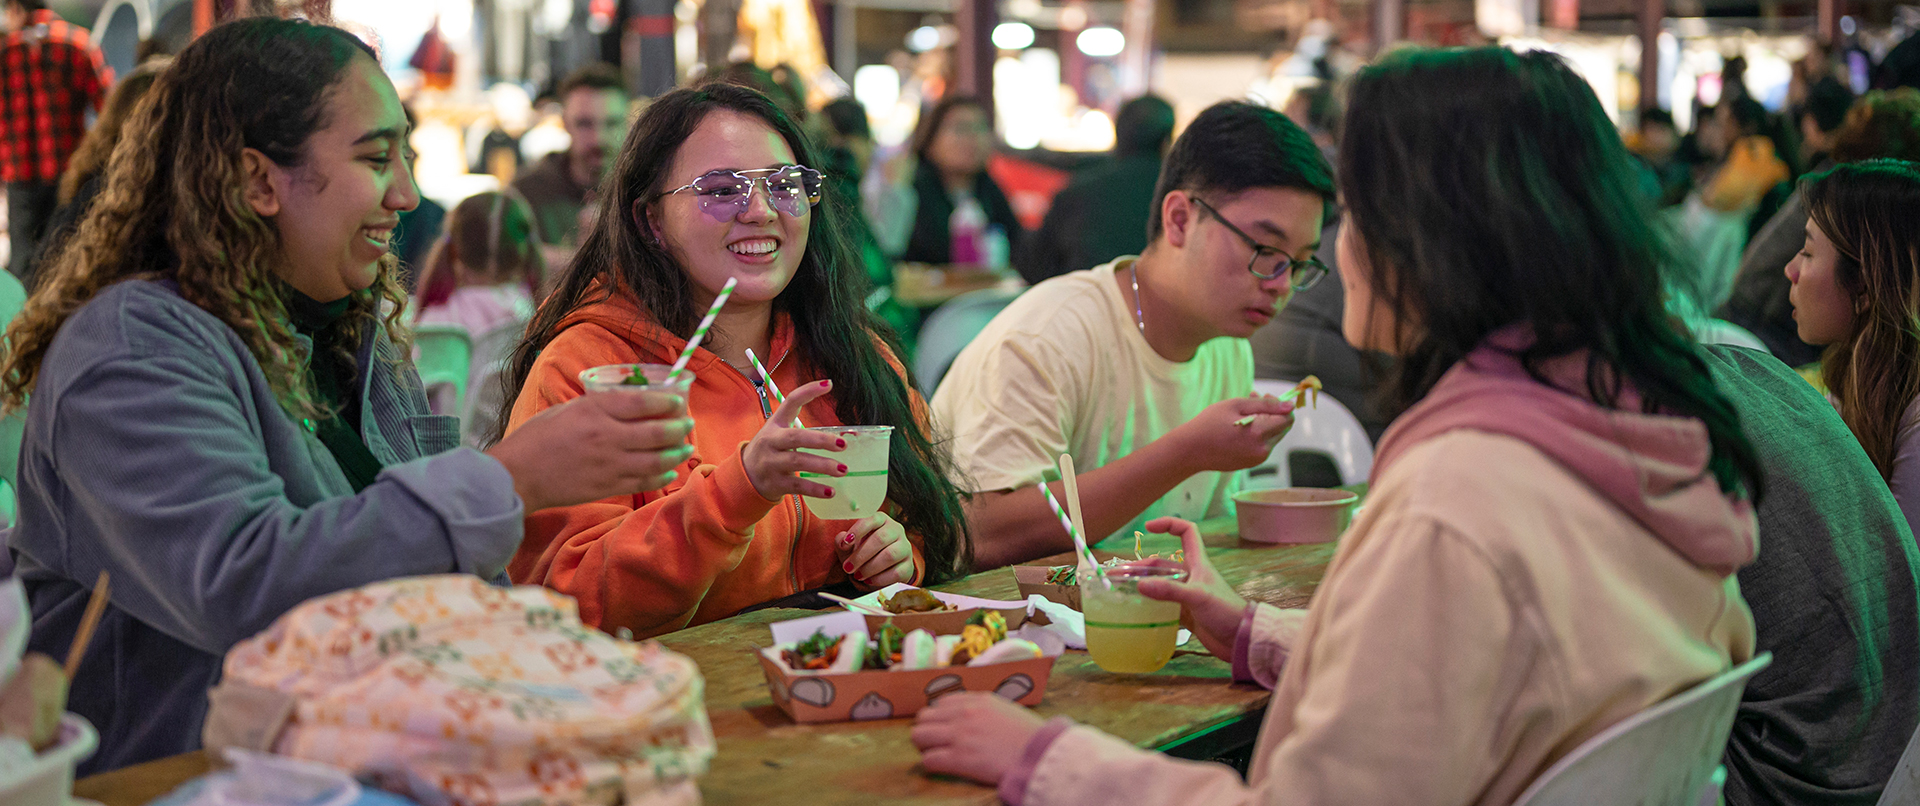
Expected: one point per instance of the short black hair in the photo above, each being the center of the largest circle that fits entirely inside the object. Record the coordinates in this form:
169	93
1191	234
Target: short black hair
1143	126
1657	116
30	5
1828	101
592	76
848	118
1234	146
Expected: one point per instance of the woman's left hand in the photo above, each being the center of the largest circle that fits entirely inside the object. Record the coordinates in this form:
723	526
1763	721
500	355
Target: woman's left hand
974	735
875	552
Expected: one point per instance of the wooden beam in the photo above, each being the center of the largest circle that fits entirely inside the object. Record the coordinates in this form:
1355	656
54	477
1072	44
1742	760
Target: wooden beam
973	54
1647	19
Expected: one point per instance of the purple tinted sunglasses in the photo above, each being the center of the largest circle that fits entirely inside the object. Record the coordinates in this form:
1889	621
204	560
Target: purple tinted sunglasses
791	189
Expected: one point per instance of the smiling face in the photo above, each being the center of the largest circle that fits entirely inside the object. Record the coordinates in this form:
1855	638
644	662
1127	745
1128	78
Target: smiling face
1822	309
336	212
759	246
1215	290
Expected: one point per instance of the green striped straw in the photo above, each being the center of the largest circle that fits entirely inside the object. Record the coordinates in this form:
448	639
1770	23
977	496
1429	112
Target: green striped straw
1067	523
700	332
772	388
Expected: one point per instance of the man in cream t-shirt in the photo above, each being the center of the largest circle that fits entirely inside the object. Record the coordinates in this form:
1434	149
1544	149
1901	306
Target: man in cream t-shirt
1140	368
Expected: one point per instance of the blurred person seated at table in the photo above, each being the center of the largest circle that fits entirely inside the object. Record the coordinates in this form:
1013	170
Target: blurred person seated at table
1856	291
219	413
1833	598
1140	367
941	186
1550	539
1102	213
1657	143
594	111
484	274
1735	196
1882	124
716	183
81	183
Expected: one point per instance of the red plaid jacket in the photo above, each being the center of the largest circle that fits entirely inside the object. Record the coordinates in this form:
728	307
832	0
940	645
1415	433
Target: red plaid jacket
50	74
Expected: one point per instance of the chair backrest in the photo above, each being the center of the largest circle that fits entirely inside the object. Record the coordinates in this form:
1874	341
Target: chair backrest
1328	428
951	327
1904	788
1663	756
443	354
486	402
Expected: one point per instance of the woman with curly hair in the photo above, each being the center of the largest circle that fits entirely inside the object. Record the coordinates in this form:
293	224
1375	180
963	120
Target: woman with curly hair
219	411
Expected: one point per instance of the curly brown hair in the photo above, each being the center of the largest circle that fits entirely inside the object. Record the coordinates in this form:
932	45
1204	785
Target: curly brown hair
91	157
174	207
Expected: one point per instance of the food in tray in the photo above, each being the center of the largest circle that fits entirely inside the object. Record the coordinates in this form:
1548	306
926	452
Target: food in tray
983	642
914	600
1069	576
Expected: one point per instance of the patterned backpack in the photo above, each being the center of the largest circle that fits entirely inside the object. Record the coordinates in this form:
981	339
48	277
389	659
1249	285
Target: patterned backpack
459	693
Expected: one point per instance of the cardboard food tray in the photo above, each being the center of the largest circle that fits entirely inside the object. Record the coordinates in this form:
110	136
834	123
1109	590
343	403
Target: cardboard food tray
859	696
1032	580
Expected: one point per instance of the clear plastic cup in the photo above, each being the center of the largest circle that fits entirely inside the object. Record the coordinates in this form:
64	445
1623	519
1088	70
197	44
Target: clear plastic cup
613	377
859	493
1127	632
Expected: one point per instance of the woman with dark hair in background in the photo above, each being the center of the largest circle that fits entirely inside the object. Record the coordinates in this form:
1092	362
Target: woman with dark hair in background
1856	290
219	407
950	190
1553	525
1881	124
716	183
81	183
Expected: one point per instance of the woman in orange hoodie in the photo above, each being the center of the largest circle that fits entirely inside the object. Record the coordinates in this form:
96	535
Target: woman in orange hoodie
713	185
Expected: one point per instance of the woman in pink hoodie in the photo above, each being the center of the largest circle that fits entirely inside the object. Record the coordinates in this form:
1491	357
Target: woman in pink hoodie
1554	521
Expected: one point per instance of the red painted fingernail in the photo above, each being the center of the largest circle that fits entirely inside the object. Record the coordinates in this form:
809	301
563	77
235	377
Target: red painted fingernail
847	538
829	492
840	443
847	566
843	468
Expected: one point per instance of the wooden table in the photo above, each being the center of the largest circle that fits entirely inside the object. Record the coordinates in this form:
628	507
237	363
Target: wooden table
1189	708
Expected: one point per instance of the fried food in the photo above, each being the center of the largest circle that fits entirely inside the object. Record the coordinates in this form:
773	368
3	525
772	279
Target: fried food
914	600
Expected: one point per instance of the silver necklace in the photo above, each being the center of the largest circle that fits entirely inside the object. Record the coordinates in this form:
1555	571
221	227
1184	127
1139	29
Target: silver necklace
1139	320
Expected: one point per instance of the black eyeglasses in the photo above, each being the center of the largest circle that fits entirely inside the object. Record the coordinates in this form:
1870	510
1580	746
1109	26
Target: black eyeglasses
1306	271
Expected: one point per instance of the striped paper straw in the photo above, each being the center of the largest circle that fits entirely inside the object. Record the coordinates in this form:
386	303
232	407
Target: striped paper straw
766	377
1067	523
701	331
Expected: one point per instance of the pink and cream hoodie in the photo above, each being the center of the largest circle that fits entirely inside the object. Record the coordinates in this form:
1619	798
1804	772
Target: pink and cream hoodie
1529	568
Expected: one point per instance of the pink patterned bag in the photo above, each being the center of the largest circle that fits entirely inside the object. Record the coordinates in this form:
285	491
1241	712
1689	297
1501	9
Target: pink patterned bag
460	693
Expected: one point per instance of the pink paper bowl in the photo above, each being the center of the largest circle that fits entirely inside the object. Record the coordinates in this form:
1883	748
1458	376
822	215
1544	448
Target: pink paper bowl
1294	514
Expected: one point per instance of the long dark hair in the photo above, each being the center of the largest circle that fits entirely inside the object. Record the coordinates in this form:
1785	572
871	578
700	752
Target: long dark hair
172	203
1868	209
826	301
1490	189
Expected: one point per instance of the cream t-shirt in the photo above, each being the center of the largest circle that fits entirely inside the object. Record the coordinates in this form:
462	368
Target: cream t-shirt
1065	370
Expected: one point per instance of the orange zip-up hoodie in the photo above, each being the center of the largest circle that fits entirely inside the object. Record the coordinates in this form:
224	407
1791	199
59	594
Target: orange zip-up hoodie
707	545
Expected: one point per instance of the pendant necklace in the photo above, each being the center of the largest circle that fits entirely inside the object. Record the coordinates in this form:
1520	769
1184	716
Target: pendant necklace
1139	320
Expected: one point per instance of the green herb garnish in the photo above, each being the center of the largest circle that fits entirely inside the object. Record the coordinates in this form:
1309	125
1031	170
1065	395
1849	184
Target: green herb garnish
638	378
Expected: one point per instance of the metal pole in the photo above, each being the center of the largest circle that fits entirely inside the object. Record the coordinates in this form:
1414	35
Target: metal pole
1829	16
1647	18
973	63
846	54
1136	64
653	22
1389	23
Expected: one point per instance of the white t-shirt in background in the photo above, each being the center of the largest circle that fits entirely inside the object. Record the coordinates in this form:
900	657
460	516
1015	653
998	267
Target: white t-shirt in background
1064	369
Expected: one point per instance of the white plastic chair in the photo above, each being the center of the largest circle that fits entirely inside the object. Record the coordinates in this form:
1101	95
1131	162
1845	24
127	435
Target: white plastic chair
1666	755
486	403
951	327
443	354
1904	788
1328	428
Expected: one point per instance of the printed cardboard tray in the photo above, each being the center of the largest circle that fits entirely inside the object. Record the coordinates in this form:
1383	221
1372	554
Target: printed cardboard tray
946	623
858	696
1032	580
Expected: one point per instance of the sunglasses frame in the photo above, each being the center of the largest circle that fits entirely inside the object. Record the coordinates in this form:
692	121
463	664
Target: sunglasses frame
760	177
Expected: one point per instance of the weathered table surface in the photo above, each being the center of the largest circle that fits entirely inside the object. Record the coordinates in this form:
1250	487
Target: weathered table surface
764	757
